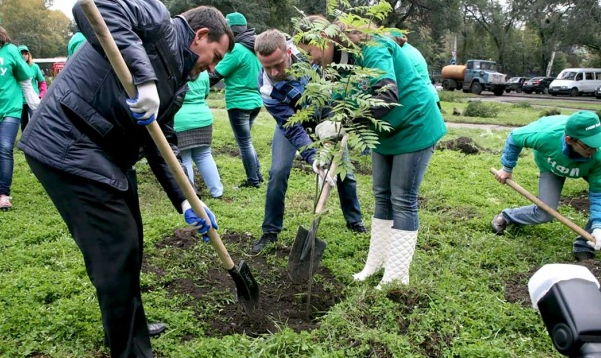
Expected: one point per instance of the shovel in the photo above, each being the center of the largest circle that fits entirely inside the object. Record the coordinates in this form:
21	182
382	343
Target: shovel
577	229
247	289
307	249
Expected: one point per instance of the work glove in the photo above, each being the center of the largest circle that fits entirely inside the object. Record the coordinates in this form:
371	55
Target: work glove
597	244
146	104
320	169
328	130
198	222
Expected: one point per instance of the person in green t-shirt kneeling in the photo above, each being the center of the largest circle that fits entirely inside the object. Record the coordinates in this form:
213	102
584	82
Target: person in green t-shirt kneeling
564	147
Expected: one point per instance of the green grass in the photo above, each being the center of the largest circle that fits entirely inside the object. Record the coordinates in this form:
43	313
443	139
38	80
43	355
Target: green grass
48	306
593	106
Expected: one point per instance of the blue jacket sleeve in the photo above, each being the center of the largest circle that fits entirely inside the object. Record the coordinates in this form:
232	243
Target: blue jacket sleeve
296	134
511	152
595	201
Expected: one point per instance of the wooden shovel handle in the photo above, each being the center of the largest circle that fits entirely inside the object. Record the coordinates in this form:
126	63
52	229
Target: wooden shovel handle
114	56
577	229
325	192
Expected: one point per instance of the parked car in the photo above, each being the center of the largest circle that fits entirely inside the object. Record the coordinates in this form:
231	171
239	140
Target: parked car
537	85
598	92
576	81
515	84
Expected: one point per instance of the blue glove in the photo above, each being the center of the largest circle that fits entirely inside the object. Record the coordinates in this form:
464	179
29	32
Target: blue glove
198	222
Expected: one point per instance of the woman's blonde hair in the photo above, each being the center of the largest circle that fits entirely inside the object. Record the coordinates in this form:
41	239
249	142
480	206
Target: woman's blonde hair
29	58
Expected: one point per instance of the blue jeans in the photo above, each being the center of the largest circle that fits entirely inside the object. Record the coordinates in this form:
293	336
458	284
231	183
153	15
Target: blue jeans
9	127
282	157
242	121
206	166
549	191
396	181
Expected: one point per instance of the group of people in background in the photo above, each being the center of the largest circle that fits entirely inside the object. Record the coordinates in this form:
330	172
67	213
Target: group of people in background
22	85
82	144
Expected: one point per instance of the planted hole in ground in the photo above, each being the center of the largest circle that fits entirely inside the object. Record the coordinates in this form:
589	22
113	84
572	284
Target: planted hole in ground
210	293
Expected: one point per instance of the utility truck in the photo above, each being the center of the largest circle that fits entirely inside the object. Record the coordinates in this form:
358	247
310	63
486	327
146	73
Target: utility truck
475	76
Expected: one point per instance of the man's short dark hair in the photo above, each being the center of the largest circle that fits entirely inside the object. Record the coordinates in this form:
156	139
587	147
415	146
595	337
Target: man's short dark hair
212	19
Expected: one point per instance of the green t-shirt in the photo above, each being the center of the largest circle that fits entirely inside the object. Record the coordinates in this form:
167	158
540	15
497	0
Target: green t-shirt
195	113
38	77
546	137
417	122
240	70
421	66
13	69
76	40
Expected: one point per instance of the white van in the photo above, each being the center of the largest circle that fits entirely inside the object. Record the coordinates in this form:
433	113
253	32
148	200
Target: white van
576	81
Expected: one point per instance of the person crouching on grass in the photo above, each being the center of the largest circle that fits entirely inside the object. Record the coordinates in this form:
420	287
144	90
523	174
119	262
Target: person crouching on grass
564	147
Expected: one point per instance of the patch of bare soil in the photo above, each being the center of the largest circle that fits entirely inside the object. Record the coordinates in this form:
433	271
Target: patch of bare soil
226	149
516	287
361	168
464	145
579	202
281	302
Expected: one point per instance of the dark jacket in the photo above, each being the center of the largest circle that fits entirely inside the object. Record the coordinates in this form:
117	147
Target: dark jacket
281	99
84	126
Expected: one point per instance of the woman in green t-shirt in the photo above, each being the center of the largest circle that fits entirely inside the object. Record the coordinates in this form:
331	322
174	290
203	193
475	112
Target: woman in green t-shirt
15	81
194	126
401	157
38	81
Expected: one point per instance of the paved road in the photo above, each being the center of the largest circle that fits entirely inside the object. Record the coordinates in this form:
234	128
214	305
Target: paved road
513	97
477	126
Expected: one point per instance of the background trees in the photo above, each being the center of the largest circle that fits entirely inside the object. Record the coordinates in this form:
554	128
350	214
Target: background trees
521	35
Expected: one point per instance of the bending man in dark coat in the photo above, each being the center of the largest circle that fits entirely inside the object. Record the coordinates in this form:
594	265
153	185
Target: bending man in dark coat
84	139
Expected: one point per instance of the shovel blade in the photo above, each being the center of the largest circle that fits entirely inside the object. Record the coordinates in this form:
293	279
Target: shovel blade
301	266
247	289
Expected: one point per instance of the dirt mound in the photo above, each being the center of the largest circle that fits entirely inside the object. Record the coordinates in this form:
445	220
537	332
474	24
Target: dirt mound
579	202
464	145
210	294
516	287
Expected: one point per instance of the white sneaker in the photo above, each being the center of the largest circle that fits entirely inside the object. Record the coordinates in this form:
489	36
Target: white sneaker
5	202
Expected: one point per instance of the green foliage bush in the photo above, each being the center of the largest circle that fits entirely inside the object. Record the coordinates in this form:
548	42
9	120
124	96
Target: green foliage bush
522	104
482	109
550	112
451	96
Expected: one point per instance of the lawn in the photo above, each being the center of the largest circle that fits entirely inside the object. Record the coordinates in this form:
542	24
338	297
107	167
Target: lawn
467	296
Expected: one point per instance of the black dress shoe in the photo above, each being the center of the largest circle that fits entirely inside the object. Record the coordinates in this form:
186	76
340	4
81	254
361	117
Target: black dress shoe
265	240
357	227
155	329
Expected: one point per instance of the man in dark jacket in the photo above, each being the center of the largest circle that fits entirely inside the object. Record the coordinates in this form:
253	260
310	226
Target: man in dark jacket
280	93
84	139
239	71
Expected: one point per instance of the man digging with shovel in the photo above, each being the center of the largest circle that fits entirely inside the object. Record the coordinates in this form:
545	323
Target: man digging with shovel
280	92
564	147
86	136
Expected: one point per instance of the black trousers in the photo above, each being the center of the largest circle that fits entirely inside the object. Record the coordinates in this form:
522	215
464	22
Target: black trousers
107	227
24	117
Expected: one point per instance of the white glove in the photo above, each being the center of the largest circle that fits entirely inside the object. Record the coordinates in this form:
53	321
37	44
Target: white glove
32	98
329	130
321	169
597	244
146	104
